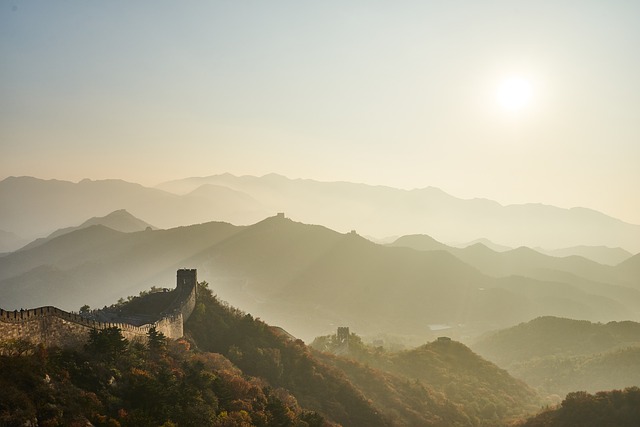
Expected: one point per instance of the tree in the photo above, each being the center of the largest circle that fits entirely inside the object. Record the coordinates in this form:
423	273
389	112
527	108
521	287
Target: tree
107	342
85	309
157	342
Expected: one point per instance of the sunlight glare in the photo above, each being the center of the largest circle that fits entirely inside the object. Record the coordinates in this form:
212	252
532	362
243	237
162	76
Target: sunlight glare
514	93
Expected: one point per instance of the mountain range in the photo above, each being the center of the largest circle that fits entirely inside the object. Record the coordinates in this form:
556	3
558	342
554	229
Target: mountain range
384	211
33	208
309	278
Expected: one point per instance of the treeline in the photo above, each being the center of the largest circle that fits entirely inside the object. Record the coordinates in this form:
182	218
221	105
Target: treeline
112	382
616	408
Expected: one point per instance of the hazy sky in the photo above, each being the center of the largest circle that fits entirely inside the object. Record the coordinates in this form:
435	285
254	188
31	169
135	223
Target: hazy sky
394	93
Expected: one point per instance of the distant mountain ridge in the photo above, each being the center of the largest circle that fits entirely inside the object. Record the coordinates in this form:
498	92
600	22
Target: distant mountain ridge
33	208
601	254
384	211
525	261
119	220
488	243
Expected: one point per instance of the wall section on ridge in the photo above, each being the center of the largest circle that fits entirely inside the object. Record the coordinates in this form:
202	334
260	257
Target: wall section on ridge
51	326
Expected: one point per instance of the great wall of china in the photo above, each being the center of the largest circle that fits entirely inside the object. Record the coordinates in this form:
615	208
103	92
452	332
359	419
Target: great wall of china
52	326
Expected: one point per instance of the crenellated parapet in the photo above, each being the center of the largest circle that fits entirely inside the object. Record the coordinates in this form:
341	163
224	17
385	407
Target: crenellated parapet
22	316
52	326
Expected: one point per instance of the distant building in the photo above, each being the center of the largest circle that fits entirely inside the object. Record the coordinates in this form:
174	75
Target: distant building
444	339
280	215
343	340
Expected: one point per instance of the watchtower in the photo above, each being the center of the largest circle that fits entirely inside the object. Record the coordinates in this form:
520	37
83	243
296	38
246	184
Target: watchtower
187	279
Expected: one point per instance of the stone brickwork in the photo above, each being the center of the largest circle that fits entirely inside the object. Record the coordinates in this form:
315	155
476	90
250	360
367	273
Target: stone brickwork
52	326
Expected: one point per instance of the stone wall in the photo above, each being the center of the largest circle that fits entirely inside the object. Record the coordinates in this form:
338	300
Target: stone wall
52	326
188	299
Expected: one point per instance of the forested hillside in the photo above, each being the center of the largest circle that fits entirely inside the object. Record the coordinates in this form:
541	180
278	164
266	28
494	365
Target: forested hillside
112	382
563	355
234	370
487	394
616	408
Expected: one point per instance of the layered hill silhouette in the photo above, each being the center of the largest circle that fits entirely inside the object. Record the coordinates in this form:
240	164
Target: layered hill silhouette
309	278
575	286
521	261
119	220
34	208
601	254
486	242
560	355
384	211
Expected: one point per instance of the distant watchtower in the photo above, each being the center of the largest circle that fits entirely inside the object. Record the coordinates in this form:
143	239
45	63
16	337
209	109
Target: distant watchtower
343	337
187	279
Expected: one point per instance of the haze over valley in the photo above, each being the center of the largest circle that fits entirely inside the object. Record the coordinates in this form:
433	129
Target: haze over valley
319	214
309	278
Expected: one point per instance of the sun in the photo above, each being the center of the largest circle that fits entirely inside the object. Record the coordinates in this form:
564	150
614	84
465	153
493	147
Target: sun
514	93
